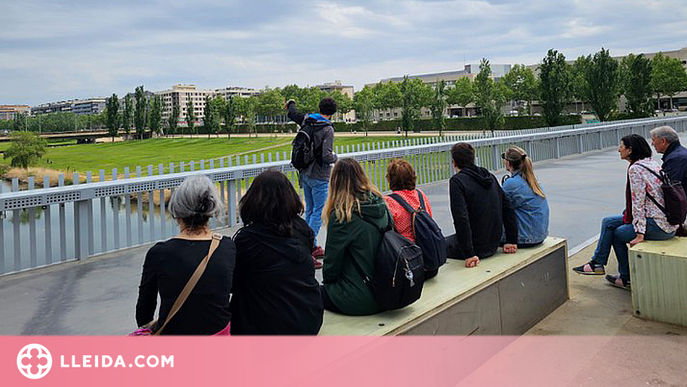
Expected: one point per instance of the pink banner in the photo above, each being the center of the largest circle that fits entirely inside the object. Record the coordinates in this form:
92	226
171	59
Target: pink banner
343	361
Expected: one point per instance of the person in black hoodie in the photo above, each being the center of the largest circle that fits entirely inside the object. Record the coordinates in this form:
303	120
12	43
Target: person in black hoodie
480	211
274	287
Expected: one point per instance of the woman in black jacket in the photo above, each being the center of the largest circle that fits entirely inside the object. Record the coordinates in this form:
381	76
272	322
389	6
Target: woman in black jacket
275	291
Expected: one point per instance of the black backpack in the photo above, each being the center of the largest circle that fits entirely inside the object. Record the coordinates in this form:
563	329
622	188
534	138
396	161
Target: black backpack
427	233
399	274
674	198
304	152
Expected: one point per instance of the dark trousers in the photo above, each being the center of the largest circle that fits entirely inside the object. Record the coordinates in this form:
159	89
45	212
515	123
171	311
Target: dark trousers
327	302
455	251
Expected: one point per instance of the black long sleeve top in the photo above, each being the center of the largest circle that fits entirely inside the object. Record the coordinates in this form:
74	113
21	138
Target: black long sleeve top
167	268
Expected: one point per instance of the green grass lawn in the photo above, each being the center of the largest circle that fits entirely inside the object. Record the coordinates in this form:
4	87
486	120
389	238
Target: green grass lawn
94	157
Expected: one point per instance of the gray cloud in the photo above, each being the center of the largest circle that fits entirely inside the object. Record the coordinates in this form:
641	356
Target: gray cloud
78	49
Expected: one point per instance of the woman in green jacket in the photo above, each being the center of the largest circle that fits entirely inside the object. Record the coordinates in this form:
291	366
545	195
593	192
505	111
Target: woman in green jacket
355	215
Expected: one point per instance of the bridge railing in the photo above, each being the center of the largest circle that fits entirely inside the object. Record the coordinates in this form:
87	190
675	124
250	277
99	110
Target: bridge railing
45	226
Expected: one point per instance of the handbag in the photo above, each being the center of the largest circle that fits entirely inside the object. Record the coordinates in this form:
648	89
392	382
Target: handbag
149	329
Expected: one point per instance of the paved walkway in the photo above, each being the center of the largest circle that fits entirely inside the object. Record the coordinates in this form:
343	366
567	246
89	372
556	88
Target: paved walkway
98	296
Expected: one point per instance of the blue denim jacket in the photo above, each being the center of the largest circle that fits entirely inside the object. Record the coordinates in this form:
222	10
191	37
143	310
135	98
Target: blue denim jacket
531	210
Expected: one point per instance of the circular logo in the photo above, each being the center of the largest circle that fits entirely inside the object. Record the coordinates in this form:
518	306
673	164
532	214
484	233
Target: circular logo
34	361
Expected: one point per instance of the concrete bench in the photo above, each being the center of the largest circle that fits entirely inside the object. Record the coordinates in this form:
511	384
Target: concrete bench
505	295
659	280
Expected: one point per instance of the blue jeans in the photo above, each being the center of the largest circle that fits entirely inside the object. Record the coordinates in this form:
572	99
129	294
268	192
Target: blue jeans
315	195
618	234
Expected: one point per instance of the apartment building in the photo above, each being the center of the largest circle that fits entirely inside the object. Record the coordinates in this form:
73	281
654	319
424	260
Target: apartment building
329	87
76	106
8	112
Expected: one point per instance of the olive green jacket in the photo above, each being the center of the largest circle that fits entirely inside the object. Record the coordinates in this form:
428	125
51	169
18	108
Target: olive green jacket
356	240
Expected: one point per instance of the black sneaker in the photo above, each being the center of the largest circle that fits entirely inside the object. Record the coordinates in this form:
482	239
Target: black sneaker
618	282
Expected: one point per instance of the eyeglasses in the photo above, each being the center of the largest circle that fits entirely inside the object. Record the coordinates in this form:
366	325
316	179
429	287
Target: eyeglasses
503	155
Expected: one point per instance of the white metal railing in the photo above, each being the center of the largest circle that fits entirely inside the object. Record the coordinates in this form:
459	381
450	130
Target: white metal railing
81	220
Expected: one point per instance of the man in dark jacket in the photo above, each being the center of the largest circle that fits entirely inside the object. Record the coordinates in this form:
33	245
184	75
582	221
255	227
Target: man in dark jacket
315	177
666	141
479	208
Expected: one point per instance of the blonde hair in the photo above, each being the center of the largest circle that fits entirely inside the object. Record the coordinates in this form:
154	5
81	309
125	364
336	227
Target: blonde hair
519	161
348	186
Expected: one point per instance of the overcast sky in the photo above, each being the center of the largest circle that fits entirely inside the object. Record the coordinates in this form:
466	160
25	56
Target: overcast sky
52	50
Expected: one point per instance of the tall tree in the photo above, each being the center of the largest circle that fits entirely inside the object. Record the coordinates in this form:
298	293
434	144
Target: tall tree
438	105
247	108
522	84
604	88
212	116
668	77
140	114
579	88
363	103
25	148
173	119
462	94
127	115
112	108
156	115
270	104
554	76
415	95
388	96
190	116
229	113
489	97
635	73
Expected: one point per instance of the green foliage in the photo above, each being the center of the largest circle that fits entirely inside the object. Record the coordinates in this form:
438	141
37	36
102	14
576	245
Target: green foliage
668	76
388	95
270	103
156	115
247	109
636	85
25	149
212	115
415	95
127	114
603	82
140	113
173	120
363	103
462	93
308	99
522	85
229	112
190	115
438	105
112	111
489	97
554	76
344	103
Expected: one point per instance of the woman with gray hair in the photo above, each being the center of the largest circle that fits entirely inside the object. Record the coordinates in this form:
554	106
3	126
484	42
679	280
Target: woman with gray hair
169	265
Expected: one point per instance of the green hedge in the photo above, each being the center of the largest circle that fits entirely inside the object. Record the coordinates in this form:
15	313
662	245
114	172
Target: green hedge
452	124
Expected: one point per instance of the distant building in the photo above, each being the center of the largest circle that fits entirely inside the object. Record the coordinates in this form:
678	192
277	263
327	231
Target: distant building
76	106
347	90
8	112
450	77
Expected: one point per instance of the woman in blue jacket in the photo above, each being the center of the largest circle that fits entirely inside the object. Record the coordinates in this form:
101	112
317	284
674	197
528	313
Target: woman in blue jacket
526	196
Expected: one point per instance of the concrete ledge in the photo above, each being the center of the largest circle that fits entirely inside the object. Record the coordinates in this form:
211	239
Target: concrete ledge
659	290
505	295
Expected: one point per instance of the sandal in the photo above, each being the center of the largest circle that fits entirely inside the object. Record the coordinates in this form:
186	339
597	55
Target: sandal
618	282
590	268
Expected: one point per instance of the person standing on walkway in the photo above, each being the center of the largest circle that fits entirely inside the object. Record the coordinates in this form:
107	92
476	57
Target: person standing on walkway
314	178
480	211
527	198
356	217
168	266
666	141
642	218
275	291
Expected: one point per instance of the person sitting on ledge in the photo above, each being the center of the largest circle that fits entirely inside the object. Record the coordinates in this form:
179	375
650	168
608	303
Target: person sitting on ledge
666	141
275	291
642	219
168	266
401	177
527	198
480	211
355	215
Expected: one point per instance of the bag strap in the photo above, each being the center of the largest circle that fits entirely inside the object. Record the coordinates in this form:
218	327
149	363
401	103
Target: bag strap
422	200
402	202
216	238
662	179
